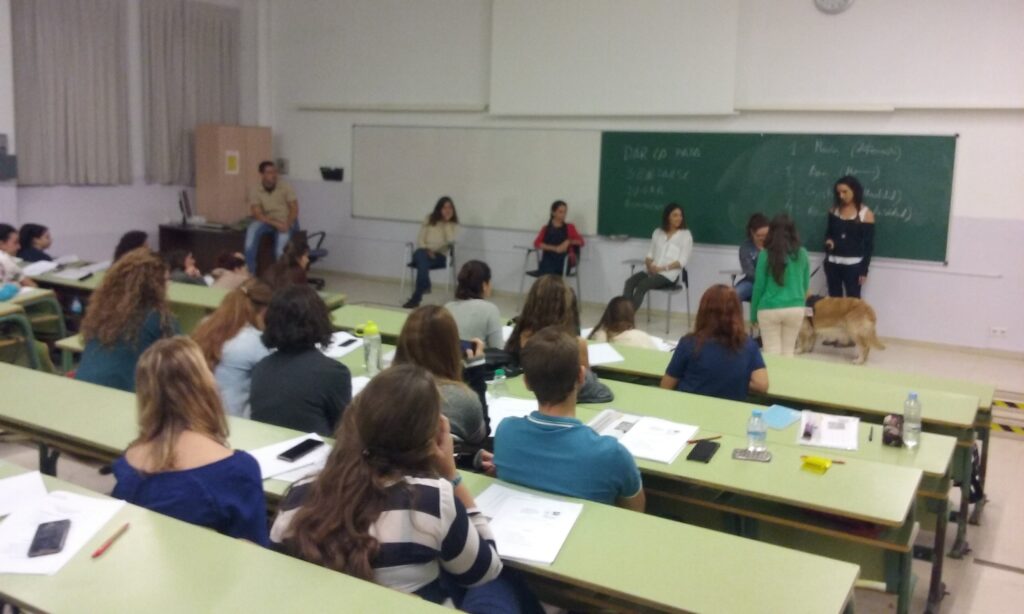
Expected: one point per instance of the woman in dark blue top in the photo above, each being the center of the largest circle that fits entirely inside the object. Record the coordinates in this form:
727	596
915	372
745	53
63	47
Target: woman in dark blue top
557	241
181	465
35	240
849	239
757	232
718	359
127	313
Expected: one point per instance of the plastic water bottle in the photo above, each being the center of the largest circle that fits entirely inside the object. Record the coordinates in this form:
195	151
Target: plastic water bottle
76	306
757	435
911	421
499	385
371	348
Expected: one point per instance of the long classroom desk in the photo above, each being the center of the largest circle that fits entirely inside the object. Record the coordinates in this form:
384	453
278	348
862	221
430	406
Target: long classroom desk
841	389
389	321
777	497
639	573
189	302
13	314
166	565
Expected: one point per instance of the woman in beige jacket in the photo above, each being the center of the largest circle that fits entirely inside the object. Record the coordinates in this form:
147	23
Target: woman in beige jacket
436	235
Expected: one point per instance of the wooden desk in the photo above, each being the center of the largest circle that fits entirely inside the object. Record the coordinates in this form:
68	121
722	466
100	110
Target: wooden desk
166	565
99	423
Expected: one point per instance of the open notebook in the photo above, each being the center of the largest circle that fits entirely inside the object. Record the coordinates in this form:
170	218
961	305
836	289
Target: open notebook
645	437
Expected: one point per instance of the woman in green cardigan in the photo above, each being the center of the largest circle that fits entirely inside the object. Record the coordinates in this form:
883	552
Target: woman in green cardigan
781	281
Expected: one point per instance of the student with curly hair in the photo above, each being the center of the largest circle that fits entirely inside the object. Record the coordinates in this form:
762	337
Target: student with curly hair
127	313
297	386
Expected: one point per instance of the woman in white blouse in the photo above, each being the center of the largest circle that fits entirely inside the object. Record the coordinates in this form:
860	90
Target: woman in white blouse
670	250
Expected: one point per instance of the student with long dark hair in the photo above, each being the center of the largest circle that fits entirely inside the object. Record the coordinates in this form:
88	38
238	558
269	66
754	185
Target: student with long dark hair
557	241
430	339
291	268
436	235
780	287
10	272
718	358
618	325
35	240
671	244
757	231
131	240
389	506
849	239
182	265
475	316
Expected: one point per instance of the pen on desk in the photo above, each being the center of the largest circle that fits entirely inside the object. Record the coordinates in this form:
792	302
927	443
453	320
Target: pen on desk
871	434
110	542
703	439
834	461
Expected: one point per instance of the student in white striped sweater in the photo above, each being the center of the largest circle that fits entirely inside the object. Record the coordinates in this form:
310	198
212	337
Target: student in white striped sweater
389	505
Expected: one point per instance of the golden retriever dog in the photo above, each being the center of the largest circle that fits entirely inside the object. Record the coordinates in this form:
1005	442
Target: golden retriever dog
843	320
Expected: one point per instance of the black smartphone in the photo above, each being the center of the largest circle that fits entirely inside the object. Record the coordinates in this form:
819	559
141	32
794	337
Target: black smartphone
703	451
467	346
49	538
299	450
347	343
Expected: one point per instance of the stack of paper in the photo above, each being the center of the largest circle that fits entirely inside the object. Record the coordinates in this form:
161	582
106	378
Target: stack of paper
83	272
273	467
506	407
828	431
337	348
603	354
527	527
21	491
39	268
88	515
645	437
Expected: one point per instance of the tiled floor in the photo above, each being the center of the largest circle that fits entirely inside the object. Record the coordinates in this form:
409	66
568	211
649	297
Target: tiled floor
989	580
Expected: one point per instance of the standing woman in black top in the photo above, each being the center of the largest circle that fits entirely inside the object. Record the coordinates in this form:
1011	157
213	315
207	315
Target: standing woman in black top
849	239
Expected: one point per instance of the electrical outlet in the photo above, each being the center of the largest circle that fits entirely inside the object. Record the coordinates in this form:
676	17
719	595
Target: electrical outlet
997	332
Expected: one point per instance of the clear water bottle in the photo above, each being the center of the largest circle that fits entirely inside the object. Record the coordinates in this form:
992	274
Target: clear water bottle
371	348
757	434
76	306
911	421
499	385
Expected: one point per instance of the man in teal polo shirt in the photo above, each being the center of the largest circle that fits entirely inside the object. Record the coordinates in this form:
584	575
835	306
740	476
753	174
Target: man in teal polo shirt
550	449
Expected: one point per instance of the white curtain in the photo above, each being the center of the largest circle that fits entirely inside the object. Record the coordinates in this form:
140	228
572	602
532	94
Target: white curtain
71	92
190	76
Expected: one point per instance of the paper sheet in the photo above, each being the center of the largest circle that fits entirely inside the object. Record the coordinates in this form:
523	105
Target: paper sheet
828	431
525	526
39	268
779	417
88	516
273	467
585	333
603	354
664	346
21	491
507	407
506	332
67	259
358	383
336	350
644	436
387	359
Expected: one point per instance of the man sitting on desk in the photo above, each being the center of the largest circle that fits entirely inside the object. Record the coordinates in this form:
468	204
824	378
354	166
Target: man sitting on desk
274	209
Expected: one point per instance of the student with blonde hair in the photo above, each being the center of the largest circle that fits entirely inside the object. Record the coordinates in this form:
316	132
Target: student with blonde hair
181	464
230	339
430	339
127	313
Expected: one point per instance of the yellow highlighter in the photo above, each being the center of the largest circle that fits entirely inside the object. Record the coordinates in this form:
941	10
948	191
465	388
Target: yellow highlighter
816	464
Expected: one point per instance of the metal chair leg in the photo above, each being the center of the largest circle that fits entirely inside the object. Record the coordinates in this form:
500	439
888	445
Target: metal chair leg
648	299
522	281
668	311
689	320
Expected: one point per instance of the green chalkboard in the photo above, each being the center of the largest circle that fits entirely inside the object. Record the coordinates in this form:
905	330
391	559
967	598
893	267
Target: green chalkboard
720	179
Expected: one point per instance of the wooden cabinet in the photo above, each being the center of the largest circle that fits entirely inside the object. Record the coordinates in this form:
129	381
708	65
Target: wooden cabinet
227	164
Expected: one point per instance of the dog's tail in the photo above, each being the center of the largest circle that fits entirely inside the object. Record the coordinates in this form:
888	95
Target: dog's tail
874	342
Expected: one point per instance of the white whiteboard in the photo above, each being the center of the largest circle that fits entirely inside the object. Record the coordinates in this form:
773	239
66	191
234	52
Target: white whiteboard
498	178
613	57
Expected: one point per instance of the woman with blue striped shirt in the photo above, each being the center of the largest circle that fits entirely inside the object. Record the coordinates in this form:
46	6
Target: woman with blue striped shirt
389	505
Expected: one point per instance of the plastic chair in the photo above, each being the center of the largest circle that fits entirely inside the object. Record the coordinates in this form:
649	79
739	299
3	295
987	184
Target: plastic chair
682	284
410	272
567	271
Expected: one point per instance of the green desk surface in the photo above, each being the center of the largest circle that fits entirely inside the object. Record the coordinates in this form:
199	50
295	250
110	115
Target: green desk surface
933	456
89	284
389	321
109	425
8	308
984	392
860	489
165	565
33	295
702	571
823	385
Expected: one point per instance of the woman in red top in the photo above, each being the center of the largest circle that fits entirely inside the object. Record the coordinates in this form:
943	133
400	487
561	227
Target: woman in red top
558	240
